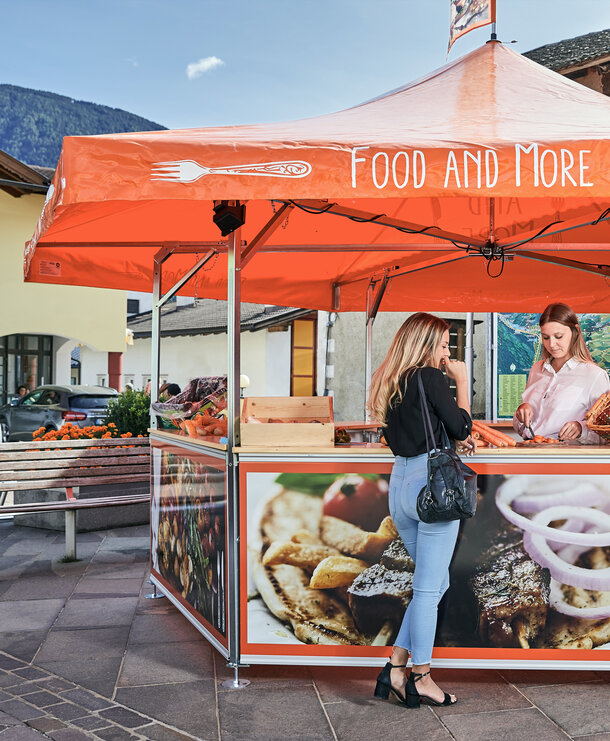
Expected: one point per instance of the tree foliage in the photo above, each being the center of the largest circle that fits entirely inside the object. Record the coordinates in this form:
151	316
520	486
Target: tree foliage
34	122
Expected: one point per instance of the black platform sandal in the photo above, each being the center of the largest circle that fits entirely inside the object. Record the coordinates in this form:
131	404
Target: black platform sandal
414	699
384	684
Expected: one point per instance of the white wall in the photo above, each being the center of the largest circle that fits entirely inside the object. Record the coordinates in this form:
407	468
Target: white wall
62	348
277	363
265	359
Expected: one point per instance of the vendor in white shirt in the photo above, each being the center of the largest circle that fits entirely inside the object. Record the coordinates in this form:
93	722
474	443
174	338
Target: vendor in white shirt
564	384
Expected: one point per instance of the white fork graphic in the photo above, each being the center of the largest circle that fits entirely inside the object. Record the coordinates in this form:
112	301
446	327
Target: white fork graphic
187	171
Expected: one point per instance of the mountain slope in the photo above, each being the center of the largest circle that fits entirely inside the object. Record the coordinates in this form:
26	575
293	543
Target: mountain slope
33	123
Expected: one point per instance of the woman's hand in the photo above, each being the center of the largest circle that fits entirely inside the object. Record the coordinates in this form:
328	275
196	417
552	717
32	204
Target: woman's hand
570	431
468	446
525	414
457	370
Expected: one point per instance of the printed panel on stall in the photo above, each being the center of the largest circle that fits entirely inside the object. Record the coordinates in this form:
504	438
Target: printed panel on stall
188	535
328	576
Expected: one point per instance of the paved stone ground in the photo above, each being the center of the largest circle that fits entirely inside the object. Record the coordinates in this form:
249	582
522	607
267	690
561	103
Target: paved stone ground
84	655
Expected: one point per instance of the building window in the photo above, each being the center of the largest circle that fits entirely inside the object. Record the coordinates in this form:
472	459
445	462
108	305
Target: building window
24	360
303	357
457	344
133	305
146	379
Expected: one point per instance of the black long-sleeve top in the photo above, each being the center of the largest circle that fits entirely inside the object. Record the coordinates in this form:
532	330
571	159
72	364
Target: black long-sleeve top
404	432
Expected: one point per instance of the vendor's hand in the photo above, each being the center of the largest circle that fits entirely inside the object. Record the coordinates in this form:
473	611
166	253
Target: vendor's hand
570	431
468	446
525	414
457	370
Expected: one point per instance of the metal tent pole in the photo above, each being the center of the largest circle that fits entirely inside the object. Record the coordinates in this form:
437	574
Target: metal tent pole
155	337
368	351
489	368
373	301
469	354
233	412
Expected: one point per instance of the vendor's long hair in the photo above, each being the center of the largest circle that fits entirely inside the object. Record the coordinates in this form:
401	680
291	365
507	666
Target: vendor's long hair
413	346
563	314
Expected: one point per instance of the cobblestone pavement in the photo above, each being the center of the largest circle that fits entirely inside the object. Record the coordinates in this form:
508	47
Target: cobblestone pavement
84	654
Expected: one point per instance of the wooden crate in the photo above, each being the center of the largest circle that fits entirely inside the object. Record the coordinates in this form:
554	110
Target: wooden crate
308	421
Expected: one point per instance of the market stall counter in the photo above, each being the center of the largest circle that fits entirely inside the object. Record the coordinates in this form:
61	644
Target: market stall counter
324	578
410	202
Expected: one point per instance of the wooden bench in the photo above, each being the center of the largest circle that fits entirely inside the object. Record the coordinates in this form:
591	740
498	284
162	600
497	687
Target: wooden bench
71	464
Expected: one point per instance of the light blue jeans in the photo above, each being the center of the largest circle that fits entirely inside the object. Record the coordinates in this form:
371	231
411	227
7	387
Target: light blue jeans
431	546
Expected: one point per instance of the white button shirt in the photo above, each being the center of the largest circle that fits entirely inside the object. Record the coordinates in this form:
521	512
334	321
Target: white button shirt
563	396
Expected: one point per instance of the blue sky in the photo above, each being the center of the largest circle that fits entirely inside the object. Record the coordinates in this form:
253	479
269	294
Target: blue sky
267	60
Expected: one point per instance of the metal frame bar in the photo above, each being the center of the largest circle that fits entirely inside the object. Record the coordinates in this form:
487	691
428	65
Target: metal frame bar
599	269
373	301
186	277
264	234
233	434
469	354
234	254
163	254
155	340
221	247
326	207
519	242
394	271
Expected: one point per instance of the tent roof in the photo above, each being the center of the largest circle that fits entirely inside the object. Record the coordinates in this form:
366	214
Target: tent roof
491	144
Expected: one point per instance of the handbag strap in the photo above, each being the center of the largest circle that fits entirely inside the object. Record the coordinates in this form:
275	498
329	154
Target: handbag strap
425	413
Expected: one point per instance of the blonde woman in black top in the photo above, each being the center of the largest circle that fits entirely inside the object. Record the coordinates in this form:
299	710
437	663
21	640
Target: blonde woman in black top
421	345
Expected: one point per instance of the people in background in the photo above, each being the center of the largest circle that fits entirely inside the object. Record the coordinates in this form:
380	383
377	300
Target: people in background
167	390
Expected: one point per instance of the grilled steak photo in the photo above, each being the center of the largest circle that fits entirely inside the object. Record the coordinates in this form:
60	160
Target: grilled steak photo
511	592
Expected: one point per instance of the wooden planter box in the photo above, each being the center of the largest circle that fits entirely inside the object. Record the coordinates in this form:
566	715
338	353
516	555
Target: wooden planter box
287	421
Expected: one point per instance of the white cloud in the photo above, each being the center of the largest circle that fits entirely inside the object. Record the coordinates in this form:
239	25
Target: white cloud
196	69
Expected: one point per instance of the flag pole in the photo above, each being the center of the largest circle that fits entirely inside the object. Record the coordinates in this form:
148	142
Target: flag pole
492	7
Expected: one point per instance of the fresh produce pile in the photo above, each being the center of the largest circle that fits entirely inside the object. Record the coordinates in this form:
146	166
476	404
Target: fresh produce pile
199	410
485	435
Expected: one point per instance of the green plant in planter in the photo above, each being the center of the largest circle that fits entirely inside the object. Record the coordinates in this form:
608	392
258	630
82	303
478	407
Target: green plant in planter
130	412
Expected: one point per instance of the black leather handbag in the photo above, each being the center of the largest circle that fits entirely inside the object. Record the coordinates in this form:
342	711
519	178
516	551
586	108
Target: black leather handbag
450	492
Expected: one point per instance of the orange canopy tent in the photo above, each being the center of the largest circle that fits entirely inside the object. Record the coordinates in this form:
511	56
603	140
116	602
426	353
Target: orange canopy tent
492	164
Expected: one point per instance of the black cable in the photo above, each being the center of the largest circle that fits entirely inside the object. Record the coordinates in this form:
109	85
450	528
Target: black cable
601	216
493	259
313	211
362	220
542	231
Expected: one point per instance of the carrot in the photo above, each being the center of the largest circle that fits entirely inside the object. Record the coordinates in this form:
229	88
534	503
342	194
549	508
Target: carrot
493	436
486	433
190	428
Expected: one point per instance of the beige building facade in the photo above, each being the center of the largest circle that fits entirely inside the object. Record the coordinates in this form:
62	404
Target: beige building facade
41	324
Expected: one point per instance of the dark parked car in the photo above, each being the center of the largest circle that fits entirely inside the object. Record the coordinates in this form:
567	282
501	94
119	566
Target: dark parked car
50	407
